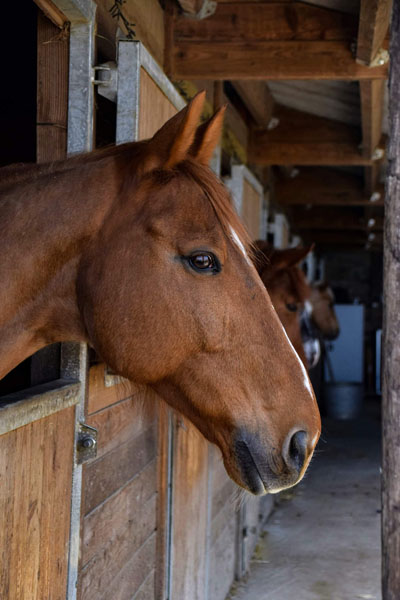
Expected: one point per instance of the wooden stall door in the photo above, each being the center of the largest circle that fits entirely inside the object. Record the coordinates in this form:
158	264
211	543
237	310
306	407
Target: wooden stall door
251	210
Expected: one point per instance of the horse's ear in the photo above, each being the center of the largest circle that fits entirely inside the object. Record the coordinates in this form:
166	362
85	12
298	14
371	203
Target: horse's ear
207	137
172	142
290	257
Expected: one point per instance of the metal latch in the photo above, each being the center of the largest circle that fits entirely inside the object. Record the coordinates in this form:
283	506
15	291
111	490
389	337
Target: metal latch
86	447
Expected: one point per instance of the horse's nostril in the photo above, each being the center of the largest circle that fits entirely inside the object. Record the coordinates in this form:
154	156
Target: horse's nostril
295	450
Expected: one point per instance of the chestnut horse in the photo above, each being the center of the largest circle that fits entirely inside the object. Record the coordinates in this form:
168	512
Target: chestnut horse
137	251
289	291
323	312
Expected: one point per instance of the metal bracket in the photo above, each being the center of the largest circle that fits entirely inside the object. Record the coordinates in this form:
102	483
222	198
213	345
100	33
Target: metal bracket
106	79
86	446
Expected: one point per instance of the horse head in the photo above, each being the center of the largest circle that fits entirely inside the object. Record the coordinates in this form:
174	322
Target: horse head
147	261
323	310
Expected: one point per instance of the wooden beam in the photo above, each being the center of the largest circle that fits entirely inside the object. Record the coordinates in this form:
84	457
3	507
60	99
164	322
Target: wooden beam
305	139
324	187
333	220
371	96
372	29
270	41
52	12
391	337
258	99
333	238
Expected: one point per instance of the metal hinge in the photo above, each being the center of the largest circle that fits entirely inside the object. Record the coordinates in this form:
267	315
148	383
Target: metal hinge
86	446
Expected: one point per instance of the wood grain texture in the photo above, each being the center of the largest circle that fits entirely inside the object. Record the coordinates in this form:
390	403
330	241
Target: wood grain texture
305	139
106	475
372	29
155	108
391	336
52	90
100	396
35	497
258	99
326	217
271	60
103	569
372	99
324	187
272	21
251	210
190	492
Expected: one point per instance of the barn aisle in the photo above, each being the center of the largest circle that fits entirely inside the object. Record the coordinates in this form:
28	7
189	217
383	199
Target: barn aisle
323	540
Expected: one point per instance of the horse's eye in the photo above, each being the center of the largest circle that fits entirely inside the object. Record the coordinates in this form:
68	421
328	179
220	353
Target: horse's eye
291	306
203	261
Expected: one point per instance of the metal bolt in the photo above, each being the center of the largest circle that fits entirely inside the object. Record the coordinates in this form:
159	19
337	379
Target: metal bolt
87	442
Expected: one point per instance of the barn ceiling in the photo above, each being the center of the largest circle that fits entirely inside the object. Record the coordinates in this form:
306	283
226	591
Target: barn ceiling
313	77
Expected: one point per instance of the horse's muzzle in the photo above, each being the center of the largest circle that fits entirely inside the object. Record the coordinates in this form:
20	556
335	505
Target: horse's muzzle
269	470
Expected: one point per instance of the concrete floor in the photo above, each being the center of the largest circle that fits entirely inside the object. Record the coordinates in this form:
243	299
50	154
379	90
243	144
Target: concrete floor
322	542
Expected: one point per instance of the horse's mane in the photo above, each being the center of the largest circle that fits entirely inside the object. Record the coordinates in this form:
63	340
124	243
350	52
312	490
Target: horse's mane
220	199
215	191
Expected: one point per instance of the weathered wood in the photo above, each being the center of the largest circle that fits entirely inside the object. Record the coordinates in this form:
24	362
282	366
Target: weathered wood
52	12
136	575
161	108
35	497
258	99
391	335
324	187
146	591
122	421
105	476
305	139
52	90
106	522
102	570
372	29
190	491
274	60
270	21
100	396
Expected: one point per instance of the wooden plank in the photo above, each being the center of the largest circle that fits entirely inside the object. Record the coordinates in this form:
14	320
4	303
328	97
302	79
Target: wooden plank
334	238
333	219
324	187
101	571
52	12
123	421
190	493
105	523
258	99
272	21
372	97
35	497
273	60
132	576
251	210
372	29
146	591
105	476
52	90
100	396
161	108
305	139
391	336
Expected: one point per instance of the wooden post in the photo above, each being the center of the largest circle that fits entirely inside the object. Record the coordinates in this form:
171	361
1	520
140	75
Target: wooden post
391	332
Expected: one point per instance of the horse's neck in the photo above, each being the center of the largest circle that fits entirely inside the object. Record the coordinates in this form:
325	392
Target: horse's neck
44	226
